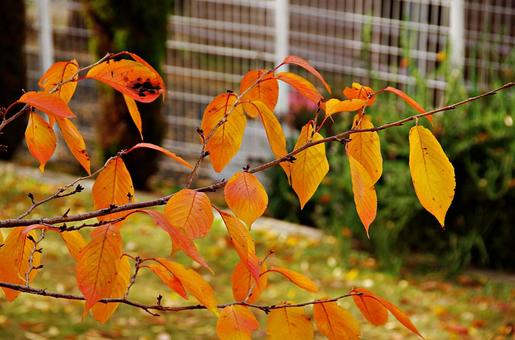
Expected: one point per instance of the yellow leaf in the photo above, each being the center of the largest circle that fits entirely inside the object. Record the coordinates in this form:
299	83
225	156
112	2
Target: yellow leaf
169	279
357	91
193	283
57	73
113	186
14	259
75	142
335	322
236	323
243	282
333	106
40	138
246	197
164	151
226	140
296	278
289	323
431	172
134	112
365	197
274	134
302	85
103	311
191	212
74	242
50	104
310	166
97	264
266	91
365	147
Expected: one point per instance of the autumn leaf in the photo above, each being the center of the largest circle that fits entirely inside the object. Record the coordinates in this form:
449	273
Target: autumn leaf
136	79
134	112
265	90
59	72
302	85
410	101
179	238
14	259
74	242
169	279
368	304
310	166
305	65
191	212
366	167
223	139
164	151
103	311
289	323
431	172
113	186
357	91
333	106
193	283
75	142
236	322
40	138
48	103
296	278
274	133
246	197
243	282
335	322
243	243
97	265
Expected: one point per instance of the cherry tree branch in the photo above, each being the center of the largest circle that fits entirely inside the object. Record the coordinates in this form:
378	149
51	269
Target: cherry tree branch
340	137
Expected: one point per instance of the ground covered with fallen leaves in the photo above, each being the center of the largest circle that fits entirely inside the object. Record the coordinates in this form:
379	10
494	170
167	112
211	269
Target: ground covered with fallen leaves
473	306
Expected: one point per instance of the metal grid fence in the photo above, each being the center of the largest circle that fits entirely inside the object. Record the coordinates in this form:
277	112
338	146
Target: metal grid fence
212	43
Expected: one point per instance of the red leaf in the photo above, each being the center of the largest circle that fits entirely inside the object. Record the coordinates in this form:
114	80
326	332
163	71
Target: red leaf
411	102
305	65
162	150
40	138
302	85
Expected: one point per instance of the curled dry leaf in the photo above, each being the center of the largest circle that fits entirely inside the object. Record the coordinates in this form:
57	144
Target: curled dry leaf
246	197
40	138
236	322
265	90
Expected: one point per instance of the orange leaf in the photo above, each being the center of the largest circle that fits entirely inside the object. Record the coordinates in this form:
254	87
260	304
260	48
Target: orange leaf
243	282
178	236
103	311
224	142
411	102
305	65
296	278
14	259
113	186
169	279
335	322
367	296
74	242
194	284
302	85
431	172
246	197
274	134
162	150
289	323
57	73
357	91
266	91
365	197
310	166
370	308
333	106
75	142
134	112
236	322
135	79
48	103
40	138
191	212
98	263
243	243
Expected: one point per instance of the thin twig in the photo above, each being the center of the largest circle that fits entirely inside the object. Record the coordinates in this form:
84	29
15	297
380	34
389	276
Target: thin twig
137	264
35	249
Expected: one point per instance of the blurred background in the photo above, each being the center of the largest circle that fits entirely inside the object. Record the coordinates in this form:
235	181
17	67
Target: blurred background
437	51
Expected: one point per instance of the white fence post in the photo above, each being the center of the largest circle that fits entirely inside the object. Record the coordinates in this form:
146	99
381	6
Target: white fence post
46	44
457	33
282	28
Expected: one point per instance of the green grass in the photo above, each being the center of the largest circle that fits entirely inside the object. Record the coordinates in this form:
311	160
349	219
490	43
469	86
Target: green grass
476	305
